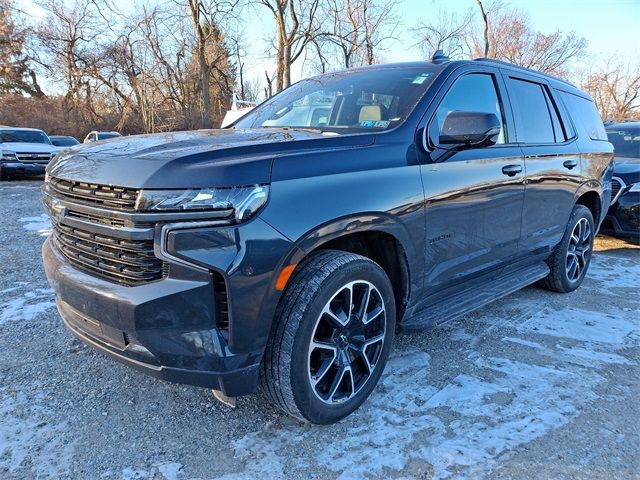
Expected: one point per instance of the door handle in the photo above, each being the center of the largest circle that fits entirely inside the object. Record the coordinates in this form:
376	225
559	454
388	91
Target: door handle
512	170
570	164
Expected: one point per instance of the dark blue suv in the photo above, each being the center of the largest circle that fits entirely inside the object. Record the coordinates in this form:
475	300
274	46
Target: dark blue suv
288	249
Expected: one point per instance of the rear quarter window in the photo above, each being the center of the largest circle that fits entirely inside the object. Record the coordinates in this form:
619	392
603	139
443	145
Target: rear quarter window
585	116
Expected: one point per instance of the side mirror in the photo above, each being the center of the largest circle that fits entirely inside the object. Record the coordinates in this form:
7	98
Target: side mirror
470	129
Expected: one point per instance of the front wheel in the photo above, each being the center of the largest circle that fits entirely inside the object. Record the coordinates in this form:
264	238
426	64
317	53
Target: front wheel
331	338
570	260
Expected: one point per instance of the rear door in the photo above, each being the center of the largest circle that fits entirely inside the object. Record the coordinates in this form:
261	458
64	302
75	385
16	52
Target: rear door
474	196
552	161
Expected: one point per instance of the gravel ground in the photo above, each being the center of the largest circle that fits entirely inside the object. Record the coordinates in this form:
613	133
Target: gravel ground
538	385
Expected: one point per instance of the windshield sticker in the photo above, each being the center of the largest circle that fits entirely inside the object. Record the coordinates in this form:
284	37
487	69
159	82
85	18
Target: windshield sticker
420	79
375	124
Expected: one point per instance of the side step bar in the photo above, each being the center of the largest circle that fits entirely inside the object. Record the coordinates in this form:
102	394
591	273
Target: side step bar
471	299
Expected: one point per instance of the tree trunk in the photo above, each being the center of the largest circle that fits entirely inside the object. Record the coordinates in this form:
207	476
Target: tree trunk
485	20
206	93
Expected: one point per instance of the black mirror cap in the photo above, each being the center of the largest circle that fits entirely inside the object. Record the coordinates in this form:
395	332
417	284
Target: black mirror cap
470	129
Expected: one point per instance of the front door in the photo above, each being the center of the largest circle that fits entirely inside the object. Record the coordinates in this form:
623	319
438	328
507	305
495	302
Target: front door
474	196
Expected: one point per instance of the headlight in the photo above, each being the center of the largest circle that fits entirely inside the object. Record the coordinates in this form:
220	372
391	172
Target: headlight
244	201
635	187
9	156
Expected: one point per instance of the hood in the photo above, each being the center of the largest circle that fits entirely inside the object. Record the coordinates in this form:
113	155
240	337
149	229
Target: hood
25	147
628	169
202	158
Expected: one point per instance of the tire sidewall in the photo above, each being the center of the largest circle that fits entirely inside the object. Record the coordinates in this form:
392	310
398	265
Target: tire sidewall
308	404
578	213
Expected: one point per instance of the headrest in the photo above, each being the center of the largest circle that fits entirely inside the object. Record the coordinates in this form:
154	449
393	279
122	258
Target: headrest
370	112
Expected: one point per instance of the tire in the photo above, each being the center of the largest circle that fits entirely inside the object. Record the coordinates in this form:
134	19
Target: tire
575	250
299	378
3	175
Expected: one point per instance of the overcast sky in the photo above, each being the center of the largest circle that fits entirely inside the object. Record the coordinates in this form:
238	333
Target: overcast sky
611	27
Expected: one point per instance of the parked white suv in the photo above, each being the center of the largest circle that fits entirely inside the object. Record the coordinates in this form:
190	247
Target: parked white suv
24	150
96	136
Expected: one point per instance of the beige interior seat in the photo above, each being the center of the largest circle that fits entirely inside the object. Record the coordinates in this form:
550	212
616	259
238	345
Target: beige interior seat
370	112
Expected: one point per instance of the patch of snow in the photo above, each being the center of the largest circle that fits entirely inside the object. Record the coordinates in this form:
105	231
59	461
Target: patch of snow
614	272
28	439
522	341
594	356
40	224
169	470
582	325
27	306
158	471
131	473
9	290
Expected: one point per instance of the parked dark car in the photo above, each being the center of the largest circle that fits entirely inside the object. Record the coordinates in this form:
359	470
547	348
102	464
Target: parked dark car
63	140
291	251
623	218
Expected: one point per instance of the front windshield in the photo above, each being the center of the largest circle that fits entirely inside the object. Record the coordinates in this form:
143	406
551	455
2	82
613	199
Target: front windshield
345	102
24	136
625	140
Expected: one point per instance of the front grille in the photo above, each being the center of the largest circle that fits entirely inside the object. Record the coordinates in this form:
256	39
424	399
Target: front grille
111	222
33	157
120	198
129	262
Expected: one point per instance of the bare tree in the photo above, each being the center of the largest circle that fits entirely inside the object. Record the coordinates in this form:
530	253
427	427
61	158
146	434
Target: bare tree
296	26
615	88
207	17
355	31
69	37
17	74
448	32
512	38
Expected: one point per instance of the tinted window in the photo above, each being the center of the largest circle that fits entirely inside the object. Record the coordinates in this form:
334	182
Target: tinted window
475	92
625	140
351	101
64	141
531	107
104	136
26	136
585	115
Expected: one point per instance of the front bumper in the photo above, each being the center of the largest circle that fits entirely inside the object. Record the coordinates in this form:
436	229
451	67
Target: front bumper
20	168
623	218
168	328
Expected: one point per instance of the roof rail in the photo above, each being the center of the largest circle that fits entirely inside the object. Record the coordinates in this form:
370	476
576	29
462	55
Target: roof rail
519	67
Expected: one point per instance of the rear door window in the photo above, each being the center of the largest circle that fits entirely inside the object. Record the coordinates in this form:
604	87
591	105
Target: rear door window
585	115
537	120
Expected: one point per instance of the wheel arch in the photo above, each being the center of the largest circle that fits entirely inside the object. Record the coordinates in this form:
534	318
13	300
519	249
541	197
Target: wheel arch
591	198
378	237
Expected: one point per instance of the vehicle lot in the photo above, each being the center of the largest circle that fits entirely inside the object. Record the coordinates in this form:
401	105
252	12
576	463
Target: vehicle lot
538	385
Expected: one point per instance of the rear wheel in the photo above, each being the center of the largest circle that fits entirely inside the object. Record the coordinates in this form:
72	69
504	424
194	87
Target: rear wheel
331	337
571	258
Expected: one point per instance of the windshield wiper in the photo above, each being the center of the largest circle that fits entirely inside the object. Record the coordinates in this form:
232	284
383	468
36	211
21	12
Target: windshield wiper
303	129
